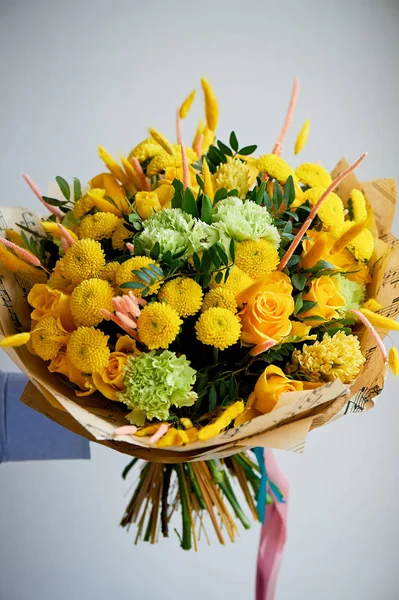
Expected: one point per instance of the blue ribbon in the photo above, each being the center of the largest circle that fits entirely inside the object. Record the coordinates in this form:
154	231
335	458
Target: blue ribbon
262	495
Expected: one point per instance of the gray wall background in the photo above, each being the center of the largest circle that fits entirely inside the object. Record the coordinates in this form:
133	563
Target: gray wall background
73	75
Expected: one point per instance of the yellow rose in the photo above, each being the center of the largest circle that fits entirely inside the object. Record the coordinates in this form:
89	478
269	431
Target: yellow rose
113	189
268	305
268	389
60	364
324	291
357	271
110	381
49	302
146	204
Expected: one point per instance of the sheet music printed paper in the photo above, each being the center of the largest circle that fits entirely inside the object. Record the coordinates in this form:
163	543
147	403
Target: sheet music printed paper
296	413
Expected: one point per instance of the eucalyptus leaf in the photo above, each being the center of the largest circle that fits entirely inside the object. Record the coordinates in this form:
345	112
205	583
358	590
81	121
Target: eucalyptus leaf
64	187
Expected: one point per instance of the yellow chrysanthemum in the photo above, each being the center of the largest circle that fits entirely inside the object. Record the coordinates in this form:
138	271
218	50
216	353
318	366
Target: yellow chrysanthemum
109	272
99	226
163	160
88	350
146	149
183	294
236	282
119	236
362	247
393	357
302	137
357	206
331	214
83	260
87	299
158	325
313	175
218	327
232	175
125	273
257	258
276	167
47	337
220	297
336	357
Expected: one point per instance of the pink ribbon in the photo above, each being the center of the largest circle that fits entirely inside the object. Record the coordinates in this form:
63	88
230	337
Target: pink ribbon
274	533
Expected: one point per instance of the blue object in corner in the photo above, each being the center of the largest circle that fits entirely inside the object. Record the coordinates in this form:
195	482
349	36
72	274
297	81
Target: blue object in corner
28	435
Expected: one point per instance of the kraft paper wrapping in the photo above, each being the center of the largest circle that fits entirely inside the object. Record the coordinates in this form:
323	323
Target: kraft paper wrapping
296	413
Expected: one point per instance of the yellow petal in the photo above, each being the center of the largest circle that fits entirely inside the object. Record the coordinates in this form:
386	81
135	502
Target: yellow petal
112	165
53	229
213	429
185	107
211	105
393	358
15	237
372	305
379	321
200	131
208	185
302	137
13	341
162	141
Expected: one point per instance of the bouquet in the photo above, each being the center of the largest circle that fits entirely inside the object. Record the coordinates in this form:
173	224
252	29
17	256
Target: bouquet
191	304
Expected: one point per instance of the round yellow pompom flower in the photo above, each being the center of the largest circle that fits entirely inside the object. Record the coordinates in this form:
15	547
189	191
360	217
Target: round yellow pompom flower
218	327
220	297
99	226
47	337
83	260
158	325
87	299
108	273
88	350
119	236
236	282
125	273
313	175
362	247
276	167
183	294
257	258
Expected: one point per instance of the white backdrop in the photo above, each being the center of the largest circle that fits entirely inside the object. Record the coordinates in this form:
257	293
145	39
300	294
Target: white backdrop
73	75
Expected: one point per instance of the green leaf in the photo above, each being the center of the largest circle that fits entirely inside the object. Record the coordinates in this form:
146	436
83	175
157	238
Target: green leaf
298	304
226	275
220	195
277	196
54	201
138	247
145	292
233	388
216	155
64	187
306	305
157	270
200	181
123	258
167	257
77	189
206	280
294	260
177	199
289	192
213	398
148	271
155	250
189	203
206	262
247	150
322	265
134	285
215	257
223	256
260	193
197	262
298	281
219	277
233	141
142	276
225	149
180	253
232	249
206	210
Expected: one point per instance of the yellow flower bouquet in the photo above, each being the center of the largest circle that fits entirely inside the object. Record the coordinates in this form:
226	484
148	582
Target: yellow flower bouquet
190	304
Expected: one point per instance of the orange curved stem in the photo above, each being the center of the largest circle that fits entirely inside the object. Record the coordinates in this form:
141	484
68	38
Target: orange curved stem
294	96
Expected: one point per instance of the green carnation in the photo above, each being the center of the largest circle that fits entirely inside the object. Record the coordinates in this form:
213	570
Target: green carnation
354	293
245	221
154	382
177	232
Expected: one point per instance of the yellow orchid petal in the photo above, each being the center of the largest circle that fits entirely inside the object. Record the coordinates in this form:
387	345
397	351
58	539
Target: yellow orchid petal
162	141
13	341
186	105
112	165
211	105
393	359
302	137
